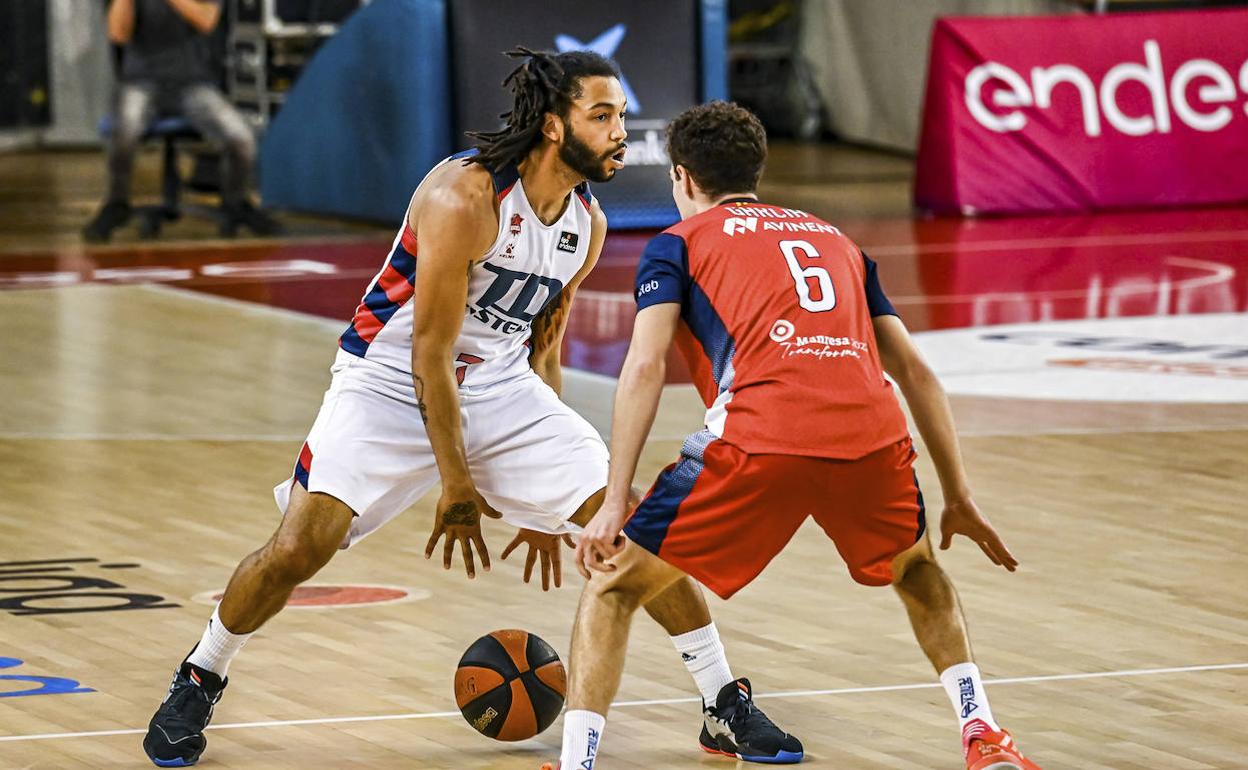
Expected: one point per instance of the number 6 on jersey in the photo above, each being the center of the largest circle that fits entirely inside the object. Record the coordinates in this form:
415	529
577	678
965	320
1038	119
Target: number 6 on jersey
803	275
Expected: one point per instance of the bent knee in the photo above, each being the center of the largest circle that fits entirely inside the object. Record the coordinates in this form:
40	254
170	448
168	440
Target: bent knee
906	563
624	594
293	560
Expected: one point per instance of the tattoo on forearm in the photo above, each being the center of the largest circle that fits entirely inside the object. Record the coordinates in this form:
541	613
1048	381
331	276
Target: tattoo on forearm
461	514
545	328
420	398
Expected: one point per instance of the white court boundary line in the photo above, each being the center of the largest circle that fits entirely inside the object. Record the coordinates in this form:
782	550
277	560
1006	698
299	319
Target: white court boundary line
666	701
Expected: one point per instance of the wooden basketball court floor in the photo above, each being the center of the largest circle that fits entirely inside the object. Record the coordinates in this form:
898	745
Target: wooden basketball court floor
142	426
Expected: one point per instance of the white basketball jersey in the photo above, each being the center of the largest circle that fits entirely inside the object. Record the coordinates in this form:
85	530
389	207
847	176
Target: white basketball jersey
525	269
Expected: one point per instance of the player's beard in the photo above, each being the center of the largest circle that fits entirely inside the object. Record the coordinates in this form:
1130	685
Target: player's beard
582	159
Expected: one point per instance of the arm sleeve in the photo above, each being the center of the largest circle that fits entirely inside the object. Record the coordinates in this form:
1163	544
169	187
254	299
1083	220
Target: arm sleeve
663	274
877	300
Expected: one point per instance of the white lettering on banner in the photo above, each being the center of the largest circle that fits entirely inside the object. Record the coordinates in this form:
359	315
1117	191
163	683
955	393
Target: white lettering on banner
1044	81
40	279
1013	92
278	268
142	274
1222	91
1153	79
1019	95
648	152
1243	82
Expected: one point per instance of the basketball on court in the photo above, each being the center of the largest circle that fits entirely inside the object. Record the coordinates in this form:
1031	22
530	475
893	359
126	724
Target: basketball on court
510	685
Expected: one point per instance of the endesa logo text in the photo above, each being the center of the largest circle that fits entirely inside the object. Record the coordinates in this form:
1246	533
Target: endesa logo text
1212	109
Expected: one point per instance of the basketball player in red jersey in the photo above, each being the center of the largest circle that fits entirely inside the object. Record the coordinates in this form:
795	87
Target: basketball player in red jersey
788	335
435	380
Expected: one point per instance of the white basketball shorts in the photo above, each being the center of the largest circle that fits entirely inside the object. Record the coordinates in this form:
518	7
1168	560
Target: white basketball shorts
531	457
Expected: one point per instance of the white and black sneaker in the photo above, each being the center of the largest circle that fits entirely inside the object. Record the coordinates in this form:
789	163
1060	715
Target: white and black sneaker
735	727
175	736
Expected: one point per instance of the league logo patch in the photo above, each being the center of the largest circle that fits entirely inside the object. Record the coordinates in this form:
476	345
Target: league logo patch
567	241
517	222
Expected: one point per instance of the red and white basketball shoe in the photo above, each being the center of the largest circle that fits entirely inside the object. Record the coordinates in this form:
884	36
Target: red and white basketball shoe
988	749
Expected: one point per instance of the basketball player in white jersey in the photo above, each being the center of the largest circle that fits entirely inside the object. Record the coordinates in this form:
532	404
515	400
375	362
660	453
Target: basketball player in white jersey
424	390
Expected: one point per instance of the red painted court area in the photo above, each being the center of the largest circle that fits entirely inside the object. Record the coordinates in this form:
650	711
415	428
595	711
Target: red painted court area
940	273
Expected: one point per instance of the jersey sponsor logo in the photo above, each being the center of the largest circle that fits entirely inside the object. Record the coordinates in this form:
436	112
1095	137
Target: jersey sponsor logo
739	225
818	346
567	241
1162	359
781	330
800	227
647	287
513	300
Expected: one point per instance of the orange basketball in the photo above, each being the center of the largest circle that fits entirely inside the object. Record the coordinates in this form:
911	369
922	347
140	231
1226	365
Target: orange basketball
510	685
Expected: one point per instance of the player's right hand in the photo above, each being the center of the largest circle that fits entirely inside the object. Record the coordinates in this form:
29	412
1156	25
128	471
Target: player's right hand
601	540
459	518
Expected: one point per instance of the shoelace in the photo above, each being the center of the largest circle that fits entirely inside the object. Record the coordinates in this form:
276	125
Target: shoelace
192	703
752	717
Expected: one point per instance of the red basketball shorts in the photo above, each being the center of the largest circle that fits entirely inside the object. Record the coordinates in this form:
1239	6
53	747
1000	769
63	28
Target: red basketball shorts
722	515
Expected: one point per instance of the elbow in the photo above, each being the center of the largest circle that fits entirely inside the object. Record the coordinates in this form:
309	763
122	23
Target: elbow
118	35
915	375
647	369
427	361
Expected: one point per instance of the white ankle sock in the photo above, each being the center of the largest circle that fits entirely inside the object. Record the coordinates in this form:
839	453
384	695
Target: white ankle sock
582	734
217	647
703	655
966	692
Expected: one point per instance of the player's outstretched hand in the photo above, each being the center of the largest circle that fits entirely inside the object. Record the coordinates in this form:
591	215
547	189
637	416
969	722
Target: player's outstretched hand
460	520
543	545
962	517
601	539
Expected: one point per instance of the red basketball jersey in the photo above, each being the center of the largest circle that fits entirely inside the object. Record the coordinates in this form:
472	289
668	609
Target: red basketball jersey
776	307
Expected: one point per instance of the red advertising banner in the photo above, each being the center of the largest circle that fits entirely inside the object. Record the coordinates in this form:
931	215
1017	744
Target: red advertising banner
1077	113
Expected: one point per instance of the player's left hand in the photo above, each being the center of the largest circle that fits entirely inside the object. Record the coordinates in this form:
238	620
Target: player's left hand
962	517
601	539
547	547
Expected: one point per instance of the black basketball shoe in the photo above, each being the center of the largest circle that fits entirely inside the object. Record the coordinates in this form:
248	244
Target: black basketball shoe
175	736
736	727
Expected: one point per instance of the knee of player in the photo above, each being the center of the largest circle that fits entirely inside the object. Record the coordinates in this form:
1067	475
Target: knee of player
619	588
919	576
293	560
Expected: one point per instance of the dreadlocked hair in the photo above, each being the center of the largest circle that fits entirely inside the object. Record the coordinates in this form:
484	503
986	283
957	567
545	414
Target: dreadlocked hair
544	83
